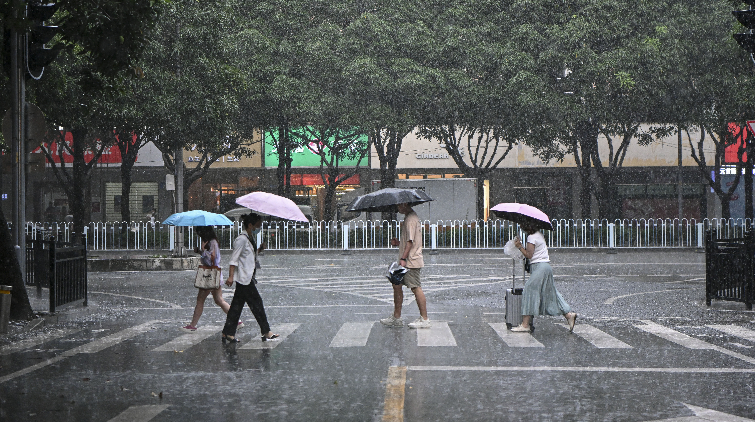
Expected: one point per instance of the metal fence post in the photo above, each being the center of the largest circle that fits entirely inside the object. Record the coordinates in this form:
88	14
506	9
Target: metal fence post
700	235
345	231
51	276
433	236
612	235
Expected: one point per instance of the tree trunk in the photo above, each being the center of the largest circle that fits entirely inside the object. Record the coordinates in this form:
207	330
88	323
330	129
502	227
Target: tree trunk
588	136
20	308
748	177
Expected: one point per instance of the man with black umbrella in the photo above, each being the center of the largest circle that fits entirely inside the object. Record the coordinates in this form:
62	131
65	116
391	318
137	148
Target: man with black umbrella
410	256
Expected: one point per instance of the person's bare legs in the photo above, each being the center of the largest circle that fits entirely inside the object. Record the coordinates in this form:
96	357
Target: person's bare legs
199	308
419	296
398	299
217	296
526	321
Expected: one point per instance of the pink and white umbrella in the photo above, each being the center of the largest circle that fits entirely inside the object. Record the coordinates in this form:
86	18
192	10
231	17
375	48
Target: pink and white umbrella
522	214
274	205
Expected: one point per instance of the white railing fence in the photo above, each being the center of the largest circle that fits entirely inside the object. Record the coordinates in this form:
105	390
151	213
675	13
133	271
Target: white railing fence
449	234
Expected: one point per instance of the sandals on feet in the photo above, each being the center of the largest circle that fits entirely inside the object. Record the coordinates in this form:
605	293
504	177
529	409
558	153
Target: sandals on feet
572	323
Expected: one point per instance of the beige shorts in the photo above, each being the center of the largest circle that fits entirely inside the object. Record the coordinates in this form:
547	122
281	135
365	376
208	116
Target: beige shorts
411	278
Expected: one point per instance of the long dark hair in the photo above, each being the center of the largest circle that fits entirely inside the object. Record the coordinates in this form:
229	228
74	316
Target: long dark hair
207	233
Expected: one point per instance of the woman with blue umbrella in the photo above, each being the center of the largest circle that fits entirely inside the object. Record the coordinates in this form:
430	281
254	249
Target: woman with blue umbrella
209	256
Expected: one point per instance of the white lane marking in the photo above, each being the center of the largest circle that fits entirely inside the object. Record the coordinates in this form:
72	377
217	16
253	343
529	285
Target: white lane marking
687	341
439	334
284	330
113	339
610	301
597	338
352	334
36	341
30	369
704	415
513	339
172	305
90	347
736	331
698	370
139	413
179	344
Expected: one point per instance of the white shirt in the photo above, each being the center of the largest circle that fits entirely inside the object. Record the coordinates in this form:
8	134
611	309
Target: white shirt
243	258
541	249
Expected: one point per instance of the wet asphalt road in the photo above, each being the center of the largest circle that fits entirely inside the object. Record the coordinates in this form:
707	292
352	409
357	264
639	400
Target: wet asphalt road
645	348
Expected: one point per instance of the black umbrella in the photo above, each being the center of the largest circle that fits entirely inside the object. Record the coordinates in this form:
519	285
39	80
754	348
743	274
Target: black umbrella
387	199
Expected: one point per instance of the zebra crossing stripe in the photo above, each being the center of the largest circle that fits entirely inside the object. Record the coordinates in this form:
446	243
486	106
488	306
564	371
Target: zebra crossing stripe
352	334
674	336
284	330
514	339
139	413
598	338
36	341
439	334
185	341
687	341
113	339
736	331
91	347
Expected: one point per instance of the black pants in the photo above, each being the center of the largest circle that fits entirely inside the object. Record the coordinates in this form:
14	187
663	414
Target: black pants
245	294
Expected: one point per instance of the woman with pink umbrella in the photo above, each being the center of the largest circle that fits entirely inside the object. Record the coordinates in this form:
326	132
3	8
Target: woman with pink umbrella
540	296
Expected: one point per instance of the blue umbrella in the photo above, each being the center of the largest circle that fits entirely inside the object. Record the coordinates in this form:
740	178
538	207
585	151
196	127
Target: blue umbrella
197	218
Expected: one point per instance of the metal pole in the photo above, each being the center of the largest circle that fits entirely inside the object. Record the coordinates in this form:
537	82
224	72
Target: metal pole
179	165
18	138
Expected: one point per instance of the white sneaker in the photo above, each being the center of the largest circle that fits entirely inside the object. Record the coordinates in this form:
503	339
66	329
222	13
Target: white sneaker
392	321
420	323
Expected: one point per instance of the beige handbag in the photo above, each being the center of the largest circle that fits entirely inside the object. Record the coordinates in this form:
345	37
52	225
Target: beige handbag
207	277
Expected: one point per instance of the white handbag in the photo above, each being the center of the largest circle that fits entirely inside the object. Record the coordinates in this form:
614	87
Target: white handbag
207	277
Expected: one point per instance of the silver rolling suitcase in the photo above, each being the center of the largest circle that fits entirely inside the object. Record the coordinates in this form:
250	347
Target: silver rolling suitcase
514	300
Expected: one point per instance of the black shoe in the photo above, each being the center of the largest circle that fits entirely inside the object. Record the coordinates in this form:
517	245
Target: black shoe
272	337
228	339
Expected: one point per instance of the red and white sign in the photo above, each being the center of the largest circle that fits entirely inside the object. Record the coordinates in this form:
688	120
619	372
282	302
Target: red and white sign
751	125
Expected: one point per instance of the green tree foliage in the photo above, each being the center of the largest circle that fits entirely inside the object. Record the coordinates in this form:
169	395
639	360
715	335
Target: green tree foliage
197	90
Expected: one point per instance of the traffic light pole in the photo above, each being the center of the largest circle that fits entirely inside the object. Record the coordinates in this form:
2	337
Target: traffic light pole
18	136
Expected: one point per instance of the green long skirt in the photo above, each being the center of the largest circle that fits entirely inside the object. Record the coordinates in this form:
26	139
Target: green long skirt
540	296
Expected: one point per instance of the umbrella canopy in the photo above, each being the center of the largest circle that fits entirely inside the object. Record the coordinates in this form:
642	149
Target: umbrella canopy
522	214
197	218
274	205
387	199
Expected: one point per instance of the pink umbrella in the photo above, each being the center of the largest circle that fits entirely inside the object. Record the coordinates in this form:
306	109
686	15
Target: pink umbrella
267	203
522	214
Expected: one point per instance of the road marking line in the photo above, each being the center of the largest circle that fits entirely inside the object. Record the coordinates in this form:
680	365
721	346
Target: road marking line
583	369
284	330
687	341
736	331
704	415
139	413
393	410
90	347
107	341
187	340
36	341
352	334
598	338
439	334
513	339
610	301
172	305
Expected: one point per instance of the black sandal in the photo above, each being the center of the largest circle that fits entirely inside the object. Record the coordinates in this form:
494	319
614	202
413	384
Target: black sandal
272	337
229	339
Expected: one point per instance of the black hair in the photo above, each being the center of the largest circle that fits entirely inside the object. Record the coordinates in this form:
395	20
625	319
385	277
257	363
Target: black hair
251	218
207	233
